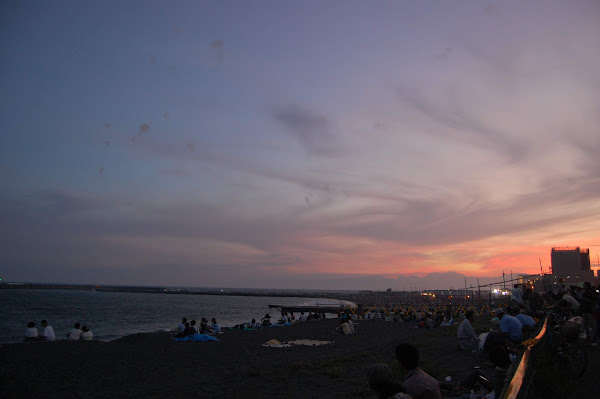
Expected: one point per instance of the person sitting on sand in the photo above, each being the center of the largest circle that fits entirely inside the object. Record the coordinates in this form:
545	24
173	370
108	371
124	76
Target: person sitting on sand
31	333
302	316
510	325
526	320
381	381
204	329
418	384
284	318
344	328
195	327
188	330
86	334
215	327
351	325
428	321
75	333
447	321
181	326
48	333
266	321
467	340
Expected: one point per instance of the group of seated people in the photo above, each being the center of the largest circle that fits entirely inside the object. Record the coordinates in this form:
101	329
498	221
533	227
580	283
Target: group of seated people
186	328
78	333
512	323
423	319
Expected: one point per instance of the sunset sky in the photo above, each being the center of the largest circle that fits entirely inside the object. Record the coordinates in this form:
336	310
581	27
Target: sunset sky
291	144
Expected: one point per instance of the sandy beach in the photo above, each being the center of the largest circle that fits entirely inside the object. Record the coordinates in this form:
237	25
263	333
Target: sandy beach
154	366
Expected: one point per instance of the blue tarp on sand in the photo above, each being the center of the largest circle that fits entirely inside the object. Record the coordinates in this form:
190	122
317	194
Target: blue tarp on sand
197	338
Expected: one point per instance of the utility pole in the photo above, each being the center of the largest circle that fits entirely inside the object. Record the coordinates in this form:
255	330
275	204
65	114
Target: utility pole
503	281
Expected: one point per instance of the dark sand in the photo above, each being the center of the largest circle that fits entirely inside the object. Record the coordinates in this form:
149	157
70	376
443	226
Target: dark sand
154	366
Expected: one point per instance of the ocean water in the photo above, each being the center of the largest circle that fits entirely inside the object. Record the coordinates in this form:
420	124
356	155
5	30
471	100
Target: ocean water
112	315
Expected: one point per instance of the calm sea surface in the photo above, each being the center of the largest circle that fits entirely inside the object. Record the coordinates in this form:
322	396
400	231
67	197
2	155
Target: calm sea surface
112	315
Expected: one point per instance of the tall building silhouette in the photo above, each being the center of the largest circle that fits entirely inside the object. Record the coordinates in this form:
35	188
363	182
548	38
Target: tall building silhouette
571	264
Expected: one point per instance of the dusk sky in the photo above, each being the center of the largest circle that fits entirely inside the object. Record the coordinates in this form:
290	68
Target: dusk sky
295	144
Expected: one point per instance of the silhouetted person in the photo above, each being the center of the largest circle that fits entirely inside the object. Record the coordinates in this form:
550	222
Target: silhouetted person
418	384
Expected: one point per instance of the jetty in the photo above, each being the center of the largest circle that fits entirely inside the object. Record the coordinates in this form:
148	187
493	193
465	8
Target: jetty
312	308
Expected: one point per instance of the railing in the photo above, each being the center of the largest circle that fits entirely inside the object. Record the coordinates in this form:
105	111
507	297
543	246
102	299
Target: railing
516	386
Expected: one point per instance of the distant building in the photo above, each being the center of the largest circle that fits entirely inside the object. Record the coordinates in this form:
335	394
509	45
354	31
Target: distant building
571	264
389	290
537	282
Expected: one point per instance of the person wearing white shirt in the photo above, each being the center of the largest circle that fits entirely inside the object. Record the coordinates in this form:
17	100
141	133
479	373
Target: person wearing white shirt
86	334
351	325
467	340
572	301
215	326
181	326
517	294
75	333
31	333
48	333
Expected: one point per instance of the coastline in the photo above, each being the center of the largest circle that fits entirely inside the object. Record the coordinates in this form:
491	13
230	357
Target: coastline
153	365
262	292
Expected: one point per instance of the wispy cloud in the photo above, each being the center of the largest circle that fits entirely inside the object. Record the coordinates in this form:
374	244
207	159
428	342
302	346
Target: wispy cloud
312	130
462	125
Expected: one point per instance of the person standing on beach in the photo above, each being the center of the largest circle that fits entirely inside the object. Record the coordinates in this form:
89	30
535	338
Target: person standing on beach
48	333
418	384
517	295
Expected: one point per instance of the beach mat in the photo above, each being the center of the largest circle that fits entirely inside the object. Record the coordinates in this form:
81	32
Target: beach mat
273	343
197	338
309	342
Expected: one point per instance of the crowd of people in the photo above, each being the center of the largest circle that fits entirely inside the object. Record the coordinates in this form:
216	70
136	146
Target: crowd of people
186	328
510	325
77	333
391	299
